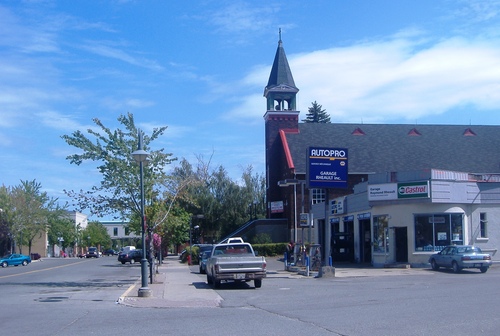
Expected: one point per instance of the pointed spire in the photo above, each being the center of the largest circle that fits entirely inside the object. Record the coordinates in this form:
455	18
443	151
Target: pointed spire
280	72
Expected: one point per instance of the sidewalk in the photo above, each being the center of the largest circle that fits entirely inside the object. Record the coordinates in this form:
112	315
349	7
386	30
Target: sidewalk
175	285
179	285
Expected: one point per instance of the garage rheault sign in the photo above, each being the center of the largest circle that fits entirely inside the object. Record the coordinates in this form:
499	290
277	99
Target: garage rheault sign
327	167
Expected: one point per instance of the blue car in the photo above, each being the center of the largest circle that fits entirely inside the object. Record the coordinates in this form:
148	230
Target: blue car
14	259
203	261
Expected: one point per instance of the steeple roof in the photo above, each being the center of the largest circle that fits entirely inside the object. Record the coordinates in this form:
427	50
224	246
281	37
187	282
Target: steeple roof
281	75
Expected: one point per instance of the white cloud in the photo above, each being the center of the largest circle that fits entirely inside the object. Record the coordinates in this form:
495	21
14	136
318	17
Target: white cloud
243	17
108	49
406	77
59	121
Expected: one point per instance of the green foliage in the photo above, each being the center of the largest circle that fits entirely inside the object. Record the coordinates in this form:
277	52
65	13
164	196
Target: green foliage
30	209
95	234
224	203
61	226
316	114
270	250
194	251
261	238
118	192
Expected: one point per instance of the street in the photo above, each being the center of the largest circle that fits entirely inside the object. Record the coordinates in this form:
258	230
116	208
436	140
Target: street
79	297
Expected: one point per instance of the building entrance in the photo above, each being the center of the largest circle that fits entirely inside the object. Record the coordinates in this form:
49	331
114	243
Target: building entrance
365	246
401	234
343	241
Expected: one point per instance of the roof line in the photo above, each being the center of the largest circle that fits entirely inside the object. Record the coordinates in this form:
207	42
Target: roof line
288	155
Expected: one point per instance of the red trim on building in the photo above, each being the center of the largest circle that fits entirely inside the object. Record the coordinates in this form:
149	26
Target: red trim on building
469	132
414	132
288	155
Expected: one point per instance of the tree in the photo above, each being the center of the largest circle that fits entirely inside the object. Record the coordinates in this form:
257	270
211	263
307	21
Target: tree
95	234
118	193
30	208
316	114
223	202
62	230
6	243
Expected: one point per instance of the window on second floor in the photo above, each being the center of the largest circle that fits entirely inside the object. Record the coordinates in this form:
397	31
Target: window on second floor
318	195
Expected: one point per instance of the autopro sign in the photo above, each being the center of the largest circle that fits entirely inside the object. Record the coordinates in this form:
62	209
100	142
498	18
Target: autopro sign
327	167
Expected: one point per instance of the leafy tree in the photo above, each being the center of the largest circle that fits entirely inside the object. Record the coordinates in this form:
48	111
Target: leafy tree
316	114
118	192
95	234
60	226
5	220
30	208
223	202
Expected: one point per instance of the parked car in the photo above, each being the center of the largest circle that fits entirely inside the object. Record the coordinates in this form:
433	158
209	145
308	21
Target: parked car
110	252
130	257
182	254
203	261
92	253
458	257
203	248
35	256
14	259
234	240
235	262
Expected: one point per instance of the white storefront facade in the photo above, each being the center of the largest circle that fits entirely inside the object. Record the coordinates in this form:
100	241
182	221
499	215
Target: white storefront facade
413	216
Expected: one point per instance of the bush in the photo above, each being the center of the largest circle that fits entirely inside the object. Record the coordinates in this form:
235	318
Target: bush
270	250
261	238
194	251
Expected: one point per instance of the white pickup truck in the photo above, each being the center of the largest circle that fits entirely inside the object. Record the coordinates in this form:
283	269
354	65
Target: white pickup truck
235	262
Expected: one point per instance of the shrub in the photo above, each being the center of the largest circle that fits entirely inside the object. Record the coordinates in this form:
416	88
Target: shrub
270	250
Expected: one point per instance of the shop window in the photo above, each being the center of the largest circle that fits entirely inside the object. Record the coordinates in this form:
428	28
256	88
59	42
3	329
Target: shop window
381	234
483	225
318	196
435	231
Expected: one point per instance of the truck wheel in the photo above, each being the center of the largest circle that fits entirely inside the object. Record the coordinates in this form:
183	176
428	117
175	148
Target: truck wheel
209	281
257	283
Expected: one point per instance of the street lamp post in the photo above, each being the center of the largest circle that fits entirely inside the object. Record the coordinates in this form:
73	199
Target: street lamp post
140	156
191	234
294	182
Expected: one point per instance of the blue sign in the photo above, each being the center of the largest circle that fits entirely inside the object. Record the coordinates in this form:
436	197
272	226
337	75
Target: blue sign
327	167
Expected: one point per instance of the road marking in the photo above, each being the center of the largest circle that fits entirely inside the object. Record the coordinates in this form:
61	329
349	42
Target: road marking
42	270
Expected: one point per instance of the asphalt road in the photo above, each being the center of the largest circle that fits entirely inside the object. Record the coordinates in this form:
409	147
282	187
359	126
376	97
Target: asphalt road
79	297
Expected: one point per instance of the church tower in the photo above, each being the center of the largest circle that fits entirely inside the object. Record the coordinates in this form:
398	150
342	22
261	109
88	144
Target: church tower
281	116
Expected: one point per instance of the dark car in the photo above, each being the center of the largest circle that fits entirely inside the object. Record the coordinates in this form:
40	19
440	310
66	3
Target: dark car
14	259
35	256
92	253
110	252
458	257
203	261
203	248
130	257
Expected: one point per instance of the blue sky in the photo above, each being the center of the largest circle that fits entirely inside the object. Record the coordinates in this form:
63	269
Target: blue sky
200	68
